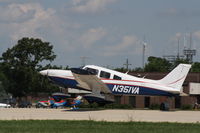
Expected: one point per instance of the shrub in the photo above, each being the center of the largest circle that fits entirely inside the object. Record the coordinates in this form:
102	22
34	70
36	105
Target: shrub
186	107
154	106
118	106
94	105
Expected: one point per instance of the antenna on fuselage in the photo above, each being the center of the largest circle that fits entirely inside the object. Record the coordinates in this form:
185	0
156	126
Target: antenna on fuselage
145	75
127	72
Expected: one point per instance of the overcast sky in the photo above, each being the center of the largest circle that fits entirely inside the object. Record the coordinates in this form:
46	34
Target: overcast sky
106	31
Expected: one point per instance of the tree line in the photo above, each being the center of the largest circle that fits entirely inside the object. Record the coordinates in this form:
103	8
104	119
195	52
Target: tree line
158	64
19	67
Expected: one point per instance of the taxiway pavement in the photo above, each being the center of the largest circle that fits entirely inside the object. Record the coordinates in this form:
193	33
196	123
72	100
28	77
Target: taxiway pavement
100	115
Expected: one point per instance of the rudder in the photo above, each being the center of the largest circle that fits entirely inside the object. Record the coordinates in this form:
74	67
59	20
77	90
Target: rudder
176	77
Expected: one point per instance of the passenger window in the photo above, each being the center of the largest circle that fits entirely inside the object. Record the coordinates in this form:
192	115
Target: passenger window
94	71
117	77
104	74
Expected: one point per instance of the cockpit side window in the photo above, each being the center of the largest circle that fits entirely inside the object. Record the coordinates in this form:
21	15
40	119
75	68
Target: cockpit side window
94	71
117	77
104	74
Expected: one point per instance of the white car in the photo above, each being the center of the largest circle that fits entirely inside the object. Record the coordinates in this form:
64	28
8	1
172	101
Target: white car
3	105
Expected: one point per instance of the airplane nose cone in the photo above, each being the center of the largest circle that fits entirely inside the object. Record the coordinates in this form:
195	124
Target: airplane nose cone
44	72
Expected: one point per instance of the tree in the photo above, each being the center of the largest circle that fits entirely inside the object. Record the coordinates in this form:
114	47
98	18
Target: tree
3	82
137	69
179	61
156	64
29	52
21	62
122	69
196	67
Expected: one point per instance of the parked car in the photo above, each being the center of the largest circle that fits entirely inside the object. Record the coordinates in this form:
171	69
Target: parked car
25	104
10	101
4	105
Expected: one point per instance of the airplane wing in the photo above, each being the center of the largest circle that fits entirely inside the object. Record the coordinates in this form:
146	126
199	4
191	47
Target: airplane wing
89	81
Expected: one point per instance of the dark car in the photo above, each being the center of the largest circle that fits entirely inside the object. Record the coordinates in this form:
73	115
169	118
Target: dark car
25	104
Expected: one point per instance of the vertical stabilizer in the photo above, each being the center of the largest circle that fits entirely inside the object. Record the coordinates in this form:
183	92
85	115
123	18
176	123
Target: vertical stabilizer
176	77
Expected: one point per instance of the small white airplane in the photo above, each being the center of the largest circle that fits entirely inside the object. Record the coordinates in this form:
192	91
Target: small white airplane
103	82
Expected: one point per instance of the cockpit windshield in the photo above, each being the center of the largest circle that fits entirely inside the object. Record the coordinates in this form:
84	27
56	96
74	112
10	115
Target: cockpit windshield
94	71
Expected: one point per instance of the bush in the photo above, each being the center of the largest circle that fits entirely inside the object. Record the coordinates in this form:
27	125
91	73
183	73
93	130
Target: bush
94	105
83	105
186	107
87	105
154	106
107	106
118	106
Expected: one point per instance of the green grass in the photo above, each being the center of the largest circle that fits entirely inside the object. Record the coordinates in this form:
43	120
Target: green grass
62	126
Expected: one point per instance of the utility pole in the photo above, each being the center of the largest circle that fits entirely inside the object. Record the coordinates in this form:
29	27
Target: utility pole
189	53
143	51
127	64
190	40
178	53
83	60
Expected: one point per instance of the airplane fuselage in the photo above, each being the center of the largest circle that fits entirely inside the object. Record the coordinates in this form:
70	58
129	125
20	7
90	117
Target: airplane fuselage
118	83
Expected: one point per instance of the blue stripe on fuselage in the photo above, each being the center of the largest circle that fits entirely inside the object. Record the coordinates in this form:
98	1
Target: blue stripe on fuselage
136	90
64	82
